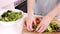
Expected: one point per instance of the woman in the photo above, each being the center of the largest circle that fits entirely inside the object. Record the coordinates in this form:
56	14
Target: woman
48	8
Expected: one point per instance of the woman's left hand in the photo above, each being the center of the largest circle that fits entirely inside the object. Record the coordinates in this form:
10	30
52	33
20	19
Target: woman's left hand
48	18
43	24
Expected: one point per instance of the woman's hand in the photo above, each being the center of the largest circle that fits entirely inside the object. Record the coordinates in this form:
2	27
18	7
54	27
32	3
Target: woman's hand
30	18
29	21
46	20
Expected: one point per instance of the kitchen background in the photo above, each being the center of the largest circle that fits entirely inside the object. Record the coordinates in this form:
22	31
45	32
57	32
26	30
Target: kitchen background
11	4
18	4
22	5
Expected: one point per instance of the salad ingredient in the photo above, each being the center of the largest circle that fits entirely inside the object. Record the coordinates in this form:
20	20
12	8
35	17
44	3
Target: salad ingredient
54	26
10	16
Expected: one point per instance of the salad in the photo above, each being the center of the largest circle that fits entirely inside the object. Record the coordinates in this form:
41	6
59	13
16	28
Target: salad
53	26
10	15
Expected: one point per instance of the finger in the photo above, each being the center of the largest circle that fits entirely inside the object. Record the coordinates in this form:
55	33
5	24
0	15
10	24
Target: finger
25	23
28	27
40	25
34	22
38	28
43	28
30	24
31	27
43	22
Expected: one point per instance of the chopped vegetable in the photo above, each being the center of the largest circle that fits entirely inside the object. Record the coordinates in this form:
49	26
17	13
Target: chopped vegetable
54	26
10	16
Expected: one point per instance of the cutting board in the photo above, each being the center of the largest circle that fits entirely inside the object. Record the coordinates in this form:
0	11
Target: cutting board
25	31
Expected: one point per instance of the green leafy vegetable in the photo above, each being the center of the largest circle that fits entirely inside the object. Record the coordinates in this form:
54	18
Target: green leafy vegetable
53	26
10	16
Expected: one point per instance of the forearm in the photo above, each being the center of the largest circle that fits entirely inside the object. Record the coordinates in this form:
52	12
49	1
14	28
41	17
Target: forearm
54	12
30	5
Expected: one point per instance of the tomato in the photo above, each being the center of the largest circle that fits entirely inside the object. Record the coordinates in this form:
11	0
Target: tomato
38	20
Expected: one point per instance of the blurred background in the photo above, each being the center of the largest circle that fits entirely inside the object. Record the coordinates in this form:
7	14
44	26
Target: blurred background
11	4
21	5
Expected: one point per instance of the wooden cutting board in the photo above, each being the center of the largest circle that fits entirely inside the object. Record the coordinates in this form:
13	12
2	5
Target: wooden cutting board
25	31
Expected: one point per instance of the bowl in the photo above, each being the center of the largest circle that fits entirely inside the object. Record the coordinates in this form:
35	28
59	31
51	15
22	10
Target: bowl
14	27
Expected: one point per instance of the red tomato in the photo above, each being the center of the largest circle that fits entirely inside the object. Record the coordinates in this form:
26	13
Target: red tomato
38	19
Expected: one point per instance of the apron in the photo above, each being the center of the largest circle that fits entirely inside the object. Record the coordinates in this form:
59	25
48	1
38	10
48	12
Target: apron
42	7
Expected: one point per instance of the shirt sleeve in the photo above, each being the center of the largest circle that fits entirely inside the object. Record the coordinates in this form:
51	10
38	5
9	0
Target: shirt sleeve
58	1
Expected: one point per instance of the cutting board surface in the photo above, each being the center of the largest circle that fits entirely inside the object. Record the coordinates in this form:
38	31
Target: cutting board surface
25	31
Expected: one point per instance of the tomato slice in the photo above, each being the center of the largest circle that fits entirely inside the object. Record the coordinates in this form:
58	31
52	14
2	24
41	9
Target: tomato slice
38	19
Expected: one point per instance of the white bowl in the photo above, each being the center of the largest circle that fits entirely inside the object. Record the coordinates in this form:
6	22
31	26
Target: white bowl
14	27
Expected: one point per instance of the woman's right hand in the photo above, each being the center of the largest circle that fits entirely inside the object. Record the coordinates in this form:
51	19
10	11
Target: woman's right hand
29	21
30	18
